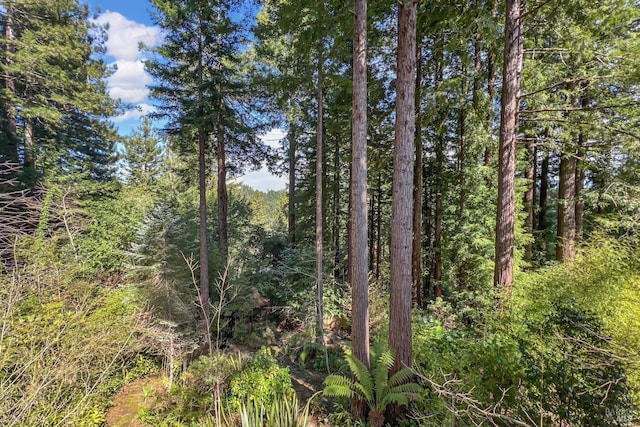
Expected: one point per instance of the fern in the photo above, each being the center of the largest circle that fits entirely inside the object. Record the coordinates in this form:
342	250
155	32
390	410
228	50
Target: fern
374	386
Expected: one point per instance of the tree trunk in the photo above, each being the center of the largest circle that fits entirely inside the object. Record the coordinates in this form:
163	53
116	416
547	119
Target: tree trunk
202	188
529	198
223	199
12	154
379	226
566	231
403	164
319	160
503	274
337	268
204	247
438	178
428	231
437	236
417	190
358	263
580	176
491	90
292	186
372	231
541	226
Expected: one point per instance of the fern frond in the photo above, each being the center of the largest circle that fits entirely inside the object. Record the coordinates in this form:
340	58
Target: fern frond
362	374
409	388
400	399
363	393
339	380
400	377
337	391
385	357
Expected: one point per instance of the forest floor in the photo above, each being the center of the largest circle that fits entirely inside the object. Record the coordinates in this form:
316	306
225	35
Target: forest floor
143	393
134	398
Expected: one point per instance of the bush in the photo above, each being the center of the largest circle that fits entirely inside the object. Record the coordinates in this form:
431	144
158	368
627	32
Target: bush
262	380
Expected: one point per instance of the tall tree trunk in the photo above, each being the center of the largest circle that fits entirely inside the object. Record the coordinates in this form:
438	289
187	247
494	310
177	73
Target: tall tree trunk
202	188
12	154
223	199
529	197
401	212
417	190
203	235
428	231
358	263
379	226
566	231
337	268
580	176
461	268
292	186
491	90
541	225
372	231
439	172
319	160
505	217
437	236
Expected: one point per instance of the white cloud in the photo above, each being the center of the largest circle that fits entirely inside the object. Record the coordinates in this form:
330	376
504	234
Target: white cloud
274	137
262	179
126	35
129	81
140	110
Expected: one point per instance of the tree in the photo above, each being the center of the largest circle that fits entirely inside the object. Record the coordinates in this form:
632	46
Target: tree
142	155
319	162
403	164
204	97
63	126
505	218
358	262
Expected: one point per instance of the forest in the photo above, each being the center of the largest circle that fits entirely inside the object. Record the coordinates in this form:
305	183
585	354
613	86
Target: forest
457	244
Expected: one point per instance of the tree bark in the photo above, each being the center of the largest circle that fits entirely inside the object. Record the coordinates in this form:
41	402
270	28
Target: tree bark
503	273
358	262
566	231
403	164
417	190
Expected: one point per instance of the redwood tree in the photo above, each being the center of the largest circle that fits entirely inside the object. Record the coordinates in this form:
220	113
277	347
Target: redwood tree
511	74
402	205
358	262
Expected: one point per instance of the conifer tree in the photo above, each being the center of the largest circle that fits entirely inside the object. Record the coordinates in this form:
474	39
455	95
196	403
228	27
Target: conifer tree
59	126
204	98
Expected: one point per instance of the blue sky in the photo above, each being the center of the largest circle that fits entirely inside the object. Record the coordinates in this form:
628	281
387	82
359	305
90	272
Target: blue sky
129	25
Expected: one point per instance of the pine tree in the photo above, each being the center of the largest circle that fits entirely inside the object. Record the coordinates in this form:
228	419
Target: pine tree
59	126
142	155
205	99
